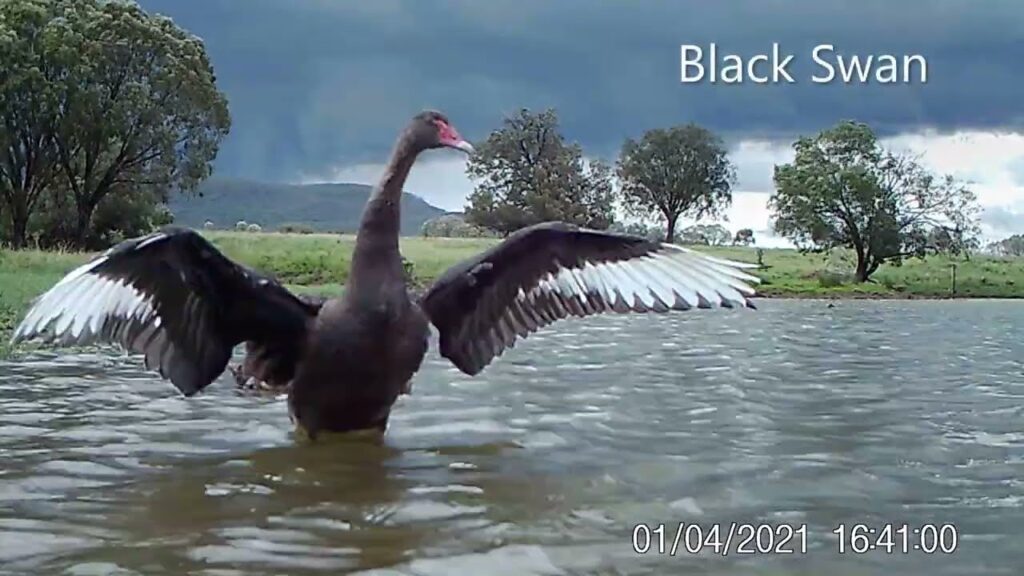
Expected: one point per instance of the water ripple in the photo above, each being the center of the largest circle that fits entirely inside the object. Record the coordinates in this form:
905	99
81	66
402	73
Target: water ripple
869	412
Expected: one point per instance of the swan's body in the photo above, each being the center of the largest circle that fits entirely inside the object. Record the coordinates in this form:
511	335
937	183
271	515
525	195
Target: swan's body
176	299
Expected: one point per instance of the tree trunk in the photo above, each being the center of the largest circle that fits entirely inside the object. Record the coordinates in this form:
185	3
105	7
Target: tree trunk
866	266
84	218
670	230
19	229
862	273
19	222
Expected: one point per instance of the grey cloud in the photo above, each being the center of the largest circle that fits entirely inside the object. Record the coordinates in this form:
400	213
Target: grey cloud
318	83
1003	221
755	165
1017	169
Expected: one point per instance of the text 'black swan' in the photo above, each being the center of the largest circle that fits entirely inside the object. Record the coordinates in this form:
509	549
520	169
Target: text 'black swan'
176	299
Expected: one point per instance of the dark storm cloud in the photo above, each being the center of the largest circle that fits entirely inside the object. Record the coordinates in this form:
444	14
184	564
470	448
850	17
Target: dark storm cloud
317	83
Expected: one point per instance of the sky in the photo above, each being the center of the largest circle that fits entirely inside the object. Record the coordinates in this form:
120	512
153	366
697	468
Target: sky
318	89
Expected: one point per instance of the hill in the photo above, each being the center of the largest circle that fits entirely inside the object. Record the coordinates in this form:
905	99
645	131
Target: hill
322	207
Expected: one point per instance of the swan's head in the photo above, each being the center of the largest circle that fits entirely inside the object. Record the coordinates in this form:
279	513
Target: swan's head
433	130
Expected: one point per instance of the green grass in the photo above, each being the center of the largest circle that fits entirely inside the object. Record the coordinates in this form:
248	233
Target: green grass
23	276
321	259
789	273
320	263
312	263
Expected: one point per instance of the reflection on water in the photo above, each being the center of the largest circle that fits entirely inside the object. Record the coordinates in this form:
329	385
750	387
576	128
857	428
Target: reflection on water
871	412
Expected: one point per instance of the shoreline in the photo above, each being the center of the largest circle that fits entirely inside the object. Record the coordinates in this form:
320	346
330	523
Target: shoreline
895	296
319	264
10	315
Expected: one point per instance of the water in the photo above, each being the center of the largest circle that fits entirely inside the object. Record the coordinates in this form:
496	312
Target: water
794	414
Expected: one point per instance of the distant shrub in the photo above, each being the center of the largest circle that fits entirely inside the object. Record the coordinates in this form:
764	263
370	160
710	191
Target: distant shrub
453	226
253	228
114	236
409	269
652	233
743	237
893	285
833	278
296	229
838	270
161	216
704	234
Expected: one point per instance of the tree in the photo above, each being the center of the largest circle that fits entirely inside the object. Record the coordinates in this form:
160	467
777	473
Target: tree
680	171
139	106
743	237
1014	245
526	173
706	234
28	109
843	190
652	233
125	213
952	241
452	226
1011	246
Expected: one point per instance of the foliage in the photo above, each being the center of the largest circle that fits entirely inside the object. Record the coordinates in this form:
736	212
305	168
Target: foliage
843	189
452	226
120	215
675	172
527	173
952	241
123	215
28	111
706	234
1010	246
408	270
652	233
139	108
743	237
111	101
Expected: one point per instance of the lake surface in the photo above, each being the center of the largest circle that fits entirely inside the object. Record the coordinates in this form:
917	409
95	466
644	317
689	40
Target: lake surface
793	414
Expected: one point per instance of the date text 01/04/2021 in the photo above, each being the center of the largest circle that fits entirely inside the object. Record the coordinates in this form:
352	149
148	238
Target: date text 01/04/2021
736	538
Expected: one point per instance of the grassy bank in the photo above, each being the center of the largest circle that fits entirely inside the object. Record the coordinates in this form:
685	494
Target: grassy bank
320	262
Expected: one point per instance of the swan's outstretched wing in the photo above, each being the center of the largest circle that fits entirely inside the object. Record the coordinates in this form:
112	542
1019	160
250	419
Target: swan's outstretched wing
175	298
552	270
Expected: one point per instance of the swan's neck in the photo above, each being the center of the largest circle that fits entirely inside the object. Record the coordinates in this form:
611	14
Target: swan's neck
376	255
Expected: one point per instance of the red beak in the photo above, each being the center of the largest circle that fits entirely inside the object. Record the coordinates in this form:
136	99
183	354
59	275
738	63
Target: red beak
450	137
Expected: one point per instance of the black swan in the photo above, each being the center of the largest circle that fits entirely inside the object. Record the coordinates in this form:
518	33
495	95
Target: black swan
176	299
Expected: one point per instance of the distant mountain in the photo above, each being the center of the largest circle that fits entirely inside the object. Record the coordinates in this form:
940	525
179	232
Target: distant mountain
322	207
